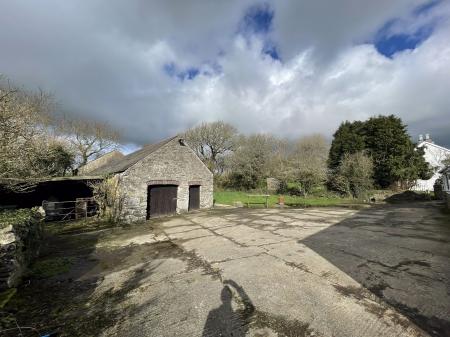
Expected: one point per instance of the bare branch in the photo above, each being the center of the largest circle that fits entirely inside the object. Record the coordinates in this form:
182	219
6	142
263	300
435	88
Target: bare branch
211	142
90	139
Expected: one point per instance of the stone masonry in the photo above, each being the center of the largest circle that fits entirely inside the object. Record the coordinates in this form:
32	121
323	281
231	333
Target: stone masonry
19	244
173	163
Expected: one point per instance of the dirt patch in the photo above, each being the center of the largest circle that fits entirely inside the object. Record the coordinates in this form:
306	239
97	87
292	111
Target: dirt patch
352	291
408	196
300	266
282	326
57	295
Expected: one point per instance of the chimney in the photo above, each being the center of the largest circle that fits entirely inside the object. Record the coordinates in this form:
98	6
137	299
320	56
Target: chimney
420	138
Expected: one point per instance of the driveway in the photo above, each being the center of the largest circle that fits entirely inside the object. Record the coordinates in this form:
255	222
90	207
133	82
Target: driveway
381	271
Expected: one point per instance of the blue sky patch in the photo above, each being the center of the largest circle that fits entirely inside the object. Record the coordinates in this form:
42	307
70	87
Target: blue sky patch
170	69
187	74
388	43
257	20
272	51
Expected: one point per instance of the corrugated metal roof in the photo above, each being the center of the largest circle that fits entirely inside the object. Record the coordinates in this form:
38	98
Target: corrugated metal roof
130	159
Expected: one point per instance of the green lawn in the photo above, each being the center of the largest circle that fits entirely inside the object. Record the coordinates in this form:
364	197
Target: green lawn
230	197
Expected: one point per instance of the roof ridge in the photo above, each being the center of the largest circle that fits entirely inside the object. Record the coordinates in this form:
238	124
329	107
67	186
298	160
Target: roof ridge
434	144
132	158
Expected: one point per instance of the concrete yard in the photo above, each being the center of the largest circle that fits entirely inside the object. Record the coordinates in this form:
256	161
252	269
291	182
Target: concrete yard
380	271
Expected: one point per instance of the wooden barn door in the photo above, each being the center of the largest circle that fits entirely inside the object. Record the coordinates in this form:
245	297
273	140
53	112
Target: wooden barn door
161	200
194	197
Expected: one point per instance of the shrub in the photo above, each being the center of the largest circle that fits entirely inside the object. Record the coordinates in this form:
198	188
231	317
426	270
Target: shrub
110	199
18	217
282	187
354	175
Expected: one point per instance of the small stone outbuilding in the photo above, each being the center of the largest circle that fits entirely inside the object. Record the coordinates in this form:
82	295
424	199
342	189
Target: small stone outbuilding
160	179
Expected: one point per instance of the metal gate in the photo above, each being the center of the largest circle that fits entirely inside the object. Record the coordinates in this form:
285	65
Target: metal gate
161	200
81	208
194	197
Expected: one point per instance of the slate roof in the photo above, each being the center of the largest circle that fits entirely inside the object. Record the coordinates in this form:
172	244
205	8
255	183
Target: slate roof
106	159
130	159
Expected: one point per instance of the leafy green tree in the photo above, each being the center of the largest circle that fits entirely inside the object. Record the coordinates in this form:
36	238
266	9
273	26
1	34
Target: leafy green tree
386	141
396	160
348	138
57	159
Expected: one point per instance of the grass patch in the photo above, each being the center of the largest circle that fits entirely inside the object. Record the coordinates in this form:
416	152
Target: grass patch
230	197
50	267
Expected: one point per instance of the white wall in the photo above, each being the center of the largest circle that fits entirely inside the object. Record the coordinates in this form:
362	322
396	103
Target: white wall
434	155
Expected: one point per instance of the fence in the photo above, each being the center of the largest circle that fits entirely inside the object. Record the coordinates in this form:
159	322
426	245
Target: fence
81	208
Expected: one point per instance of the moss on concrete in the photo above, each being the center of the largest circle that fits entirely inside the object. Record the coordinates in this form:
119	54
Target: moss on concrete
51	267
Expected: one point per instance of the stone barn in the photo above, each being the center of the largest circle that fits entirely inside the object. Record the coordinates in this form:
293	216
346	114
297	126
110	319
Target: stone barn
160	179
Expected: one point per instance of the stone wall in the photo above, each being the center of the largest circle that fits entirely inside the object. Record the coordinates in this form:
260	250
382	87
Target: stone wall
438	192
20	235
173	163
273	185
447	199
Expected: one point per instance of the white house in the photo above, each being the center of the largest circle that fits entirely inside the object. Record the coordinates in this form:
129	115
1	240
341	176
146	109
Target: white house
434	155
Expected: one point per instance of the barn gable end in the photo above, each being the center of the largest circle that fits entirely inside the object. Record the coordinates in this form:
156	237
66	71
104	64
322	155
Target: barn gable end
172	164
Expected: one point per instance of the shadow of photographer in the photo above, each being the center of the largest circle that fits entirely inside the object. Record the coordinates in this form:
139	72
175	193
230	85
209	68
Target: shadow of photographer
224	321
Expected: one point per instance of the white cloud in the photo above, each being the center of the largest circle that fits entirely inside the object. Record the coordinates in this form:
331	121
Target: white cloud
106	60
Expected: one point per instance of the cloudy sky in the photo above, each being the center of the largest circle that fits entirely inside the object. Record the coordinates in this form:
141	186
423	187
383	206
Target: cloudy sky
291	67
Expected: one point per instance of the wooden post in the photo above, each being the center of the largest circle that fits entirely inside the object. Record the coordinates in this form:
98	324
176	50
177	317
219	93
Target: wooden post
80	208
281	201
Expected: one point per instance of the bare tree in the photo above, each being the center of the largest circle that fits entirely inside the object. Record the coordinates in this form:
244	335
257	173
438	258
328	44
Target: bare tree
250	163
309	162
25	119
211	142
280	155
90	139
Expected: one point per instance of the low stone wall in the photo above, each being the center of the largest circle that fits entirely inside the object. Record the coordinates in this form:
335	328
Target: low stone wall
20	235
438	192
447	199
